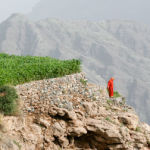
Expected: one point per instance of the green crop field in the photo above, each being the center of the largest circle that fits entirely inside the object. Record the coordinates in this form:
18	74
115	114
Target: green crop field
21	69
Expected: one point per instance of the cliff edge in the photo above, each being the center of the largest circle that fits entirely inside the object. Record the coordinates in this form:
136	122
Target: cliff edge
71	114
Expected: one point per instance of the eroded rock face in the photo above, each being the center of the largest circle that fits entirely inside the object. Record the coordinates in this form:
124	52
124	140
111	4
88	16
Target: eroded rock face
90	108
51	132
80	122
63	112
146	127
76	132
129	120
58	129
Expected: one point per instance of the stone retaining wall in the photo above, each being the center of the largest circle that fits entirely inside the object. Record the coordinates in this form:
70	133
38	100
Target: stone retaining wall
66	92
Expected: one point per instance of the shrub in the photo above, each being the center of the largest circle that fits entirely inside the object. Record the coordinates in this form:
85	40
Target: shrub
107	119
84	82
8	100
116	94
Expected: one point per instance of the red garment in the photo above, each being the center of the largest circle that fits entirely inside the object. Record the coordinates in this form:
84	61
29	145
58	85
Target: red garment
110	88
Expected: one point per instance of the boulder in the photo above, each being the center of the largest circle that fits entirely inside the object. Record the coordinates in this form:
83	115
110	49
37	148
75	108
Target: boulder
63	112
113	136
99	126
90	108
58	130
76	132
80	115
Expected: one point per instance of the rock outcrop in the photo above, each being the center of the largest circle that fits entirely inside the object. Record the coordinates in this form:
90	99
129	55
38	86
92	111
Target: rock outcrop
65	113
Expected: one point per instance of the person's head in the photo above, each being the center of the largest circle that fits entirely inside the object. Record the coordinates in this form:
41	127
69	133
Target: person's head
112	78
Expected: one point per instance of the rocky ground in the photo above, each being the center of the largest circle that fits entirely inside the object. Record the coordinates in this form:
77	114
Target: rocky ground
78	116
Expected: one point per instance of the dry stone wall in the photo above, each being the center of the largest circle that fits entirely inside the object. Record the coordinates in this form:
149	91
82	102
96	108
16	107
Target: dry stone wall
67	92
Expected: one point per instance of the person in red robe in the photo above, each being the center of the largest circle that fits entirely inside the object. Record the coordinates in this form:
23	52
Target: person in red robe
110	87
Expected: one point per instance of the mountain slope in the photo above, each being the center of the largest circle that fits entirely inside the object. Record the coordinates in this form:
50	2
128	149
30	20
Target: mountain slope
108	48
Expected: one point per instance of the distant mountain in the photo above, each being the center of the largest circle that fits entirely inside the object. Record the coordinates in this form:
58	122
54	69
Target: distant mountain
93	11
108	48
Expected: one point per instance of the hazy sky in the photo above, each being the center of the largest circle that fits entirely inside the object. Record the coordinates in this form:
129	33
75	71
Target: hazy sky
7	7
95	10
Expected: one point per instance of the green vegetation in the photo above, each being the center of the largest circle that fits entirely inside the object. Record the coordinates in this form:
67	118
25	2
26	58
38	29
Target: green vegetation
8	100
40	125
123	100
138	129
63	91
84	82
17	143
94	98
116	94
125	110
21	69
107	119
109	101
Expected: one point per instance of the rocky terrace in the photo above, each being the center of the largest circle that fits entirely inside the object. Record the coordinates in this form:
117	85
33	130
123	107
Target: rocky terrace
69	92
